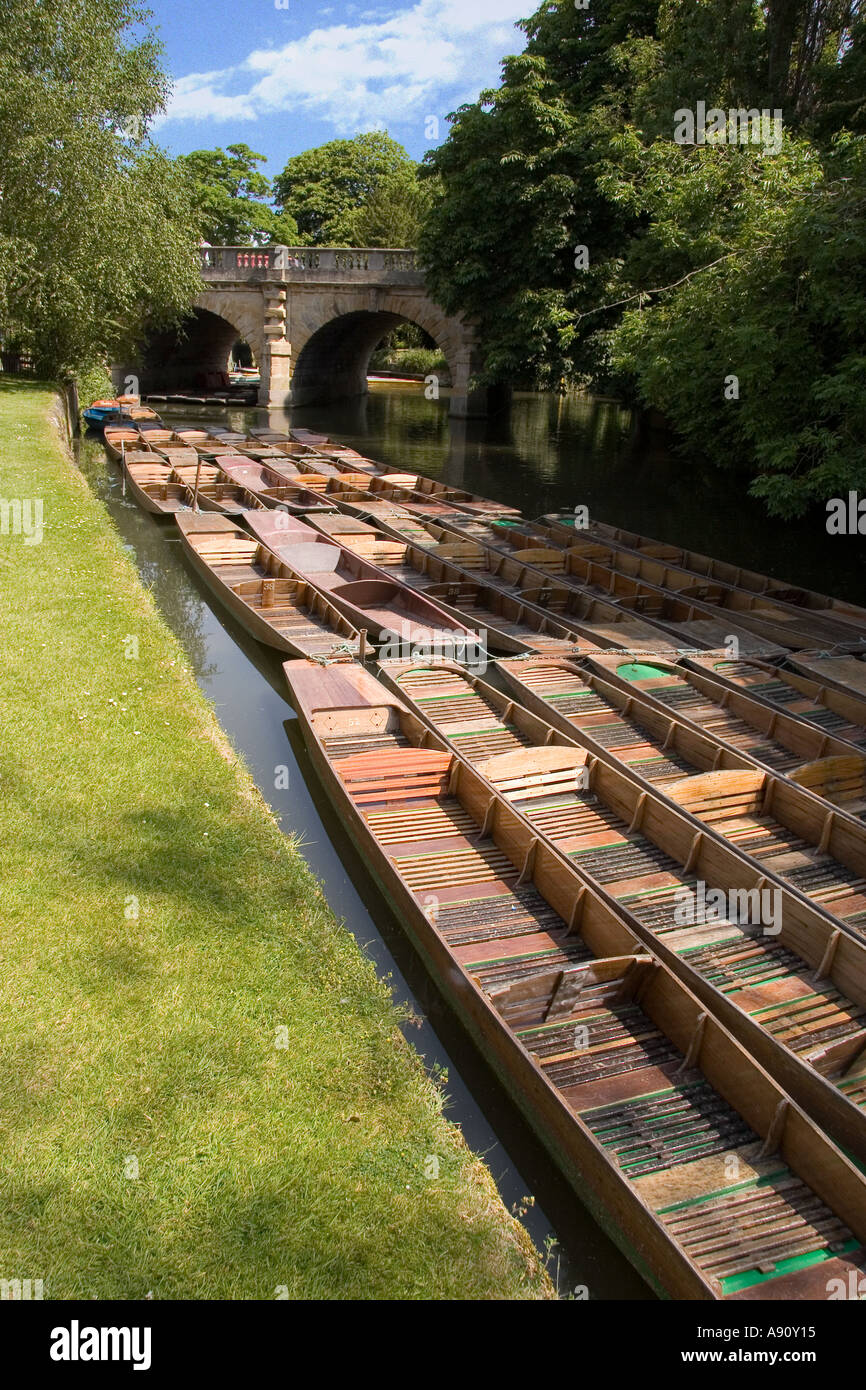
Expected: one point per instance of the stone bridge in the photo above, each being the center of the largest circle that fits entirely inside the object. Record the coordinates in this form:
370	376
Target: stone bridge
312	316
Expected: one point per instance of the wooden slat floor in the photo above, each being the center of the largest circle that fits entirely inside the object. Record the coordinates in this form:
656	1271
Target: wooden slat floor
771	983
670	1133
771	685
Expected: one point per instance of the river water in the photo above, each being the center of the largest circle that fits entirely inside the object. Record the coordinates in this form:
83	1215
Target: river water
543	453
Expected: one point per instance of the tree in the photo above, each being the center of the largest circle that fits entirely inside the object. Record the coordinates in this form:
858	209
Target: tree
394	214
233	198
97	230
722	284
326	190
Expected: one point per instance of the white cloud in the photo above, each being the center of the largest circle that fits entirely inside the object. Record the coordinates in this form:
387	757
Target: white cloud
366	75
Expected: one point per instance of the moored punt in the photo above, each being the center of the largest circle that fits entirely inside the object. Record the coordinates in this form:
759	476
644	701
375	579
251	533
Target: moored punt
154	489
560	614
658	744
769	966
775	738
176	454
562	526
271	602
155	433
799	843
845	670
643	1118
118	437
510	624
188	472
369	598
220	496
593	616
839	712
671	595
190	434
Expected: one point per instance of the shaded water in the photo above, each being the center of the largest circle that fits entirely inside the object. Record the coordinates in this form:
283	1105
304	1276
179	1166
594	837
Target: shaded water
546	453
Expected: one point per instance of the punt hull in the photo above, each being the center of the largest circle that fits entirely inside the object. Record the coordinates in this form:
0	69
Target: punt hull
600	1185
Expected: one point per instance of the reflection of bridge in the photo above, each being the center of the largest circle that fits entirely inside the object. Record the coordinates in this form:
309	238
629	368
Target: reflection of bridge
312	317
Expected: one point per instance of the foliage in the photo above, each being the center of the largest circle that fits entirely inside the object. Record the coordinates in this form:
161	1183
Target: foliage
232	196
416	361
97	231
94	384
345	190
699	262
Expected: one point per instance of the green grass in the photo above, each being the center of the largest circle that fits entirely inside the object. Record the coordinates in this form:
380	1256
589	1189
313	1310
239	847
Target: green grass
157	930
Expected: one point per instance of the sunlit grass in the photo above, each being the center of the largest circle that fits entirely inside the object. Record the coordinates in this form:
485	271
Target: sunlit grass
178	1001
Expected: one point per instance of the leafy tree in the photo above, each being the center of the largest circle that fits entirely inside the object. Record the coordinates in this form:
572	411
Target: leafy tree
326	190
394	214
97	230
233	198
590	246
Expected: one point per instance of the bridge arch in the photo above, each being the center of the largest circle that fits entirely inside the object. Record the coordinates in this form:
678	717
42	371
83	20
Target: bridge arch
181	358
332	361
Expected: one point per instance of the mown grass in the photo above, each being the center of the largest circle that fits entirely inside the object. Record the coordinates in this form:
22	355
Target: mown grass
157	930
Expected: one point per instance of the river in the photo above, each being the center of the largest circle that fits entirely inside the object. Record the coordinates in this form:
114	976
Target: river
543	453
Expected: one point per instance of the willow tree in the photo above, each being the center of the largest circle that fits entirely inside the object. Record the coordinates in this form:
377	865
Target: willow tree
97	228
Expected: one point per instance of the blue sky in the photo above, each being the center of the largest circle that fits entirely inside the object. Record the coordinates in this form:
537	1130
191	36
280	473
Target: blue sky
283	75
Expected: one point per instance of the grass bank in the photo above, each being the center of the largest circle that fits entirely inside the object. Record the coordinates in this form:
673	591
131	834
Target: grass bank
203	1090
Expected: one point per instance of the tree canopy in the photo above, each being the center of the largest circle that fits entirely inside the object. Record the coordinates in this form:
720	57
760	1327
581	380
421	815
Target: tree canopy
722	283
233	197
97	229
362	192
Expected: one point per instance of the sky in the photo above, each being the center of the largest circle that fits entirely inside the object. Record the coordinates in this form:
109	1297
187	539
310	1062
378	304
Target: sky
285	75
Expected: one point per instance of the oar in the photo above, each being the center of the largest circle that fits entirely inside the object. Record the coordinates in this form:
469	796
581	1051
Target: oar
123	466
195	490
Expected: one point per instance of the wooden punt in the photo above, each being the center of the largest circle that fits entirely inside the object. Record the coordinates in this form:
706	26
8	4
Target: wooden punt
155	490
562	526
799	843
661	746
316	463
845	671
367	596
653	859
118	437
188	472
155	434
190	434
670	594
442	570
227	497
268	599
837	711
511	625
778	740
640	1094
600	621
176	454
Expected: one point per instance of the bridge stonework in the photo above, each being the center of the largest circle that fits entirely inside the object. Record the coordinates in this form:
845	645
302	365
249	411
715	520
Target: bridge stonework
313	316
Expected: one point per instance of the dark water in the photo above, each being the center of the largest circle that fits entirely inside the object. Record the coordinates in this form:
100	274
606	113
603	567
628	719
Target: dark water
546	453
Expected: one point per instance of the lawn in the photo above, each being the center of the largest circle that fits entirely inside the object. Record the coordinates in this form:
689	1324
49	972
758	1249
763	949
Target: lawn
204	1092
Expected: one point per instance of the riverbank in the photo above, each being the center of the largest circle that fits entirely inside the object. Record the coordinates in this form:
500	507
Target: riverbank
205	1091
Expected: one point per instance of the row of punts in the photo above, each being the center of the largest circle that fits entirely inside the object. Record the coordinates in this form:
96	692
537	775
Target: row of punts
629	842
